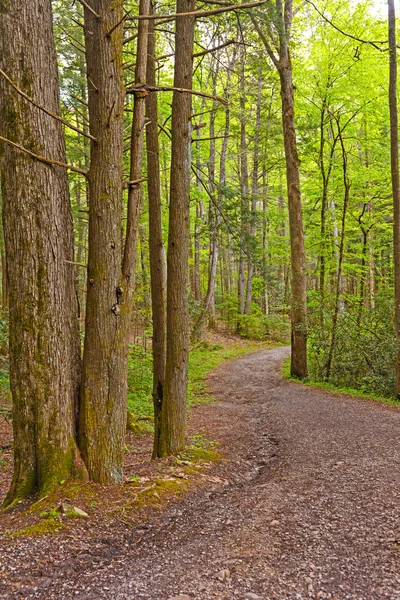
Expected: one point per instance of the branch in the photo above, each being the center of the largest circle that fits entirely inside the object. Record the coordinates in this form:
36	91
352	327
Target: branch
143	88
199	13
120	22
78	264
375	44
42	108
90	9
264	40
197	54
208	139
47	161
208	50
129	184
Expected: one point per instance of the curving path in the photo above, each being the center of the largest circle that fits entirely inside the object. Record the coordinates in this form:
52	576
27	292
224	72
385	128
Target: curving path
308	506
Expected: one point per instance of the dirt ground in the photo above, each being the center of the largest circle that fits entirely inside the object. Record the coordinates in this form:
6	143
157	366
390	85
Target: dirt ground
306	505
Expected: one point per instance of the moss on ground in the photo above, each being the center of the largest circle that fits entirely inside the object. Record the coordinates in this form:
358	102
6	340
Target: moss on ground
46	527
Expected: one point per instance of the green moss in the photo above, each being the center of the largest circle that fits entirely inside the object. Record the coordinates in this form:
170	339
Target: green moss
203	455
46	527
4	6
20	490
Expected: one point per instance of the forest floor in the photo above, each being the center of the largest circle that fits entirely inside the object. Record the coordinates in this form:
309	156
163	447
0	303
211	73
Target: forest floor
304	504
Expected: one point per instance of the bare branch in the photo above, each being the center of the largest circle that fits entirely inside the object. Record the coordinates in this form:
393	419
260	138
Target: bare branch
200	13
129	184
47	161
78	264
144	88
375	43
264	40
42	108
90	9
120	22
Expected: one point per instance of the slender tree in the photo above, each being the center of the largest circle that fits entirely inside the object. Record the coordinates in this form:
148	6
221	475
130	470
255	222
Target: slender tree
158	265
394	164
283	16
173	408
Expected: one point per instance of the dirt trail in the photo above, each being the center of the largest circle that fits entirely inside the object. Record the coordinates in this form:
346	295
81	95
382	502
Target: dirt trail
308	507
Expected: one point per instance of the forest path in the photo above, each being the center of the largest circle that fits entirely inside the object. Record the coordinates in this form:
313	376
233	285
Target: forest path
307	507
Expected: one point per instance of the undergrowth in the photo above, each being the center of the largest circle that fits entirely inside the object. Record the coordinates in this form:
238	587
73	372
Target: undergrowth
203	358
331	387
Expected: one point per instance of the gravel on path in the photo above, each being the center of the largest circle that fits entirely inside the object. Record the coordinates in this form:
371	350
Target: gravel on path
308	506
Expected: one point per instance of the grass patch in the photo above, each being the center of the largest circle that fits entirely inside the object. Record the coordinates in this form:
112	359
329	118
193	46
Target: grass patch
330	387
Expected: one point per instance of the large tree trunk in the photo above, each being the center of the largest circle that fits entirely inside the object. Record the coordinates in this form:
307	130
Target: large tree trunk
158	265
44	335
394	163
104	379
173	409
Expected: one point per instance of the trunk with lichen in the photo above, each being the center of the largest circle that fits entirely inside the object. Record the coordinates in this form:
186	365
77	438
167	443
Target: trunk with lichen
104	377
38	231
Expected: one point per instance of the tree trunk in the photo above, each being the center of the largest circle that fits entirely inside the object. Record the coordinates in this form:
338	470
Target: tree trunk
4	281
249	289
44	335
158	265
338	300
104	379
244	193
137	144
173	409
283	22
394	164
298	366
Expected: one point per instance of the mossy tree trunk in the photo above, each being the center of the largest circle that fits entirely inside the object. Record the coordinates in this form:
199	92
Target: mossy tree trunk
104	378
173	409
44	334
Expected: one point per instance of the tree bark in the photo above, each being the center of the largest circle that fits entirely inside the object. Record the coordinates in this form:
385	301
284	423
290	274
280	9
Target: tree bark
37	220
244	193
173	409
283	22
298	367
338	299
158	264
104	380
254	190
394	164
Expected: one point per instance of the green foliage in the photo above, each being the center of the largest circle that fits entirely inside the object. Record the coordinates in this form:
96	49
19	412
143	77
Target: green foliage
140	382
364	354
